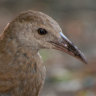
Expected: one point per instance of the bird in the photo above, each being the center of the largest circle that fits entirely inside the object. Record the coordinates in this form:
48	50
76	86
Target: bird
22	72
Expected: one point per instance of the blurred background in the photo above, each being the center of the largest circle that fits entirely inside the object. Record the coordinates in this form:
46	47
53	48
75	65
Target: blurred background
66	76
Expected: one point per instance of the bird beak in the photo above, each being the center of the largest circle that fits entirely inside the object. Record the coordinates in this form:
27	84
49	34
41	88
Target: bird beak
65	45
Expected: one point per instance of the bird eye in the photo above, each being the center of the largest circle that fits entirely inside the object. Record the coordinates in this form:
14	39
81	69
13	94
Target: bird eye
42	31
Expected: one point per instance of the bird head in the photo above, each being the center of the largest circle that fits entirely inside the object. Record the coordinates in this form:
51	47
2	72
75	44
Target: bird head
37	30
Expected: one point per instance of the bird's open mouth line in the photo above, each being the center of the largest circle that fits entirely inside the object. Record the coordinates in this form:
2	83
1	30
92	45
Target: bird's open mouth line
69	48
64	47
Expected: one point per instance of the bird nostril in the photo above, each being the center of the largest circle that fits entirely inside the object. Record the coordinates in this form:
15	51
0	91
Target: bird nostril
65	45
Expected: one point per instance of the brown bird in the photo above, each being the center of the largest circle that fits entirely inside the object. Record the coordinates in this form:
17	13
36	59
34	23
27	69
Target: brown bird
21	70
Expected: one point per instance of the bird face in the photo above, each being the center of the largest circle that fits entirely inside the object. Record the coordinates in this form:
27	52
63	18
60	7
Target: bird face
45	32
53	39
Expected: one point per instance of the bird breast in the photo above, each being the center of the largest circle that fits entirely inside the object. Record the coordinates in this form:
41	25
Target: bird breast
24	75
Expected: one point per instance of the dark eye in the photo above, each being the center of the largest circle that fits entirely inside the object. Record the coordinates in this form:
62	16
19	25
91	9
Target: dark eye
42	31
